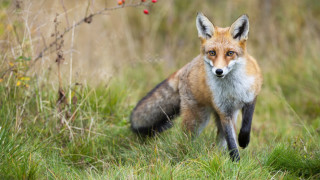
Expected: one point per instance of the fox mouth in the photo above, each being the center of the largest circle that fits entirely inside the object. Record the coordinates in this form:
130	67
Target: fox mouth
220	76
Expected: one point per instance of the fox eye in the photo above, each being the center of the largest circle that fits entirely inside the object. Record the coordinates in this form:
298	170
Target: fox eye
230	53
212	53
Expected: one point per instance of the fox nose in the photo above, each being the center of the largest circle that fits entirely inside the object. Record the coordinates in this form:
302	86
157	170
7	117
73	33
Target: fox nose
219	71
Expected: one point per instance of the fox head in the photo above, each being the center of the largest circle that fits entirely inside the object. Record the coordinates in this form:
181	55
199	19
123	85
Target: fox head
223	48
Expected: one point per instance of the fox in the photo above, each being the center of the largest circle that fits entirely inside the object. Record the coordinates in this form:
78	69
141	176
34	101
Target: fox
222	80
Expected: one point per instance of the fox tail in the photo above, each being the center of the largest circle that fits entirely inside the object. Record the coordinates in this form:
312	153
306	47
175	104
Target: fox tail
154	112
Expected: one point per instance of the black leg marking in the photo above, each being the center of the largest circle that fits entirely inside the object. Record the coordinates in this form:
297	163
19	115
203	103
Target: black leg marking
247	114
232	145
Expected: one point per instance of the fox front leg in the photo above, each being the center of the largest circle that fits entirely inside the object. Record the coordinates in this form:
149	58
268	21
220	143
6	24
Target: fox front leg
230	135
247	114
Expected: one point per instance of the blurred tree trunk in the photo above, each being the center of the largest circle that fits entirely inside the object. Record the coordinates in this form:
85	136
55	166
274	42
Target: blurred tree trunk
170	61
266	26
266	14
266	7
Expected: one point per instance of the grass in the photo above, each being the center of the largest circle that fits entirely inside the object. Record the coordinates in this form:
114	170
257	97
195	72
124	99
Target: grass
97	142
297	162
102	145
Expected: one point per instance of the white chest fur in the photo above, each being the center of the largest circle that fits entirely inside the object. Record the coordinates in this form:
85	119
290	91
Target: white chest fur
234	89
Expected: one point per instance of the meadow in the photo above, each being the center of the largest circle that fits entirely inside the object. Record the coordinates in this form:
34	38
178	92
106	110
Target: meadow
66	97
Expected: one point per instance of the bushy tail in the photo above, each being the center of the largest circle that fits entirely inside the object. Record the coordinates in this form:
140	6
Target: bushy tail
155	111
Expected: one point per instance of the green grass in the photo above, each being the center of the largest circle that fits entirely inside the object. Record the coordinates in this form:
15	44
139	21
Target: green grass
295	160
100	145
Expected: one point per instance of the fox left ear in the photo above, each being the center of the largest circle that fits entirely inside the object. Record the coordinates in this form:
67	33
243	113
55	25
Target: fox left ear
204	26
240	28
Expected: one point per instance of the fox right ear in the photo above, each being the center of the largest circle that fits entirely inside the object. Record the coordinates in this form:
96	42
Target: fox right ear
204	26
240	28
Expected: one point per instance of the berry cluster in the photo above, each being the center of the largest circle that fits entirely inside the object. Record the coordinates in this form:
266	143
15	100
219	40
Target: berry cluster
145	11
121	2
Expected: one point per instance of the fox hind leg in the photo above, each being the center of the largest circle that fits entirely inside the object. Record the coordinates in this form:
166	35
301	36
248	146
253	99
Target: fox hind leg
195	119
221	139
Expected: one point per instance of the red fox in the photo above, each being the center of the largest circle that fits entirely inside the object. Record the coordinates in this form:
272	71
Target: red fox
222	80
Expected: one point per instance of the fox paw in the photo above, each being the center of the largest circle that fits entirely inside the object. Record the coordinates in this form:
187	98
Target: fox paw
244	139
235	156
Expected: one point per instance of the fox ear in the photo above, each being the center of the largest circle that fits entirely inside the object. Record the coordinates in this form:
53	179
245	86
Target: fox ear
204	26
240	28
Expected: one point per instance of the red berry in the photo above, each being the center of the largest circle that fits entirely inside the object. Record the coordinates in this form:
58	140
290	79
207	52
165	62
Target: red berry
154	1
119	2
146	11
123	1
143	0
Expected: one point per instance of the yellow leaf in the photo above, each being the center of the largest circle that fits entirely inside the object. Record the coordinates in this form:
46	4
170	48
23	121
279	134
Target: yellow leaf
18	83
25	78
11	64
1	80
9	27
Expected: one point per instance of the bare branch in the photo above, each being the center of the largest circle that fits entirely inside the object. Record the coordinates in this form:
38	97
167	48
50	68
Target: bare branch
86	19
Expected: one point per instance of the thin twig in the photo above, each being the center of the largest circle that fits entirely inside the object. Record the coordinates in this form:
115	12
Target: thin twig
259	163
77	109
70	78
87	10
69	127
91	122
65	12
